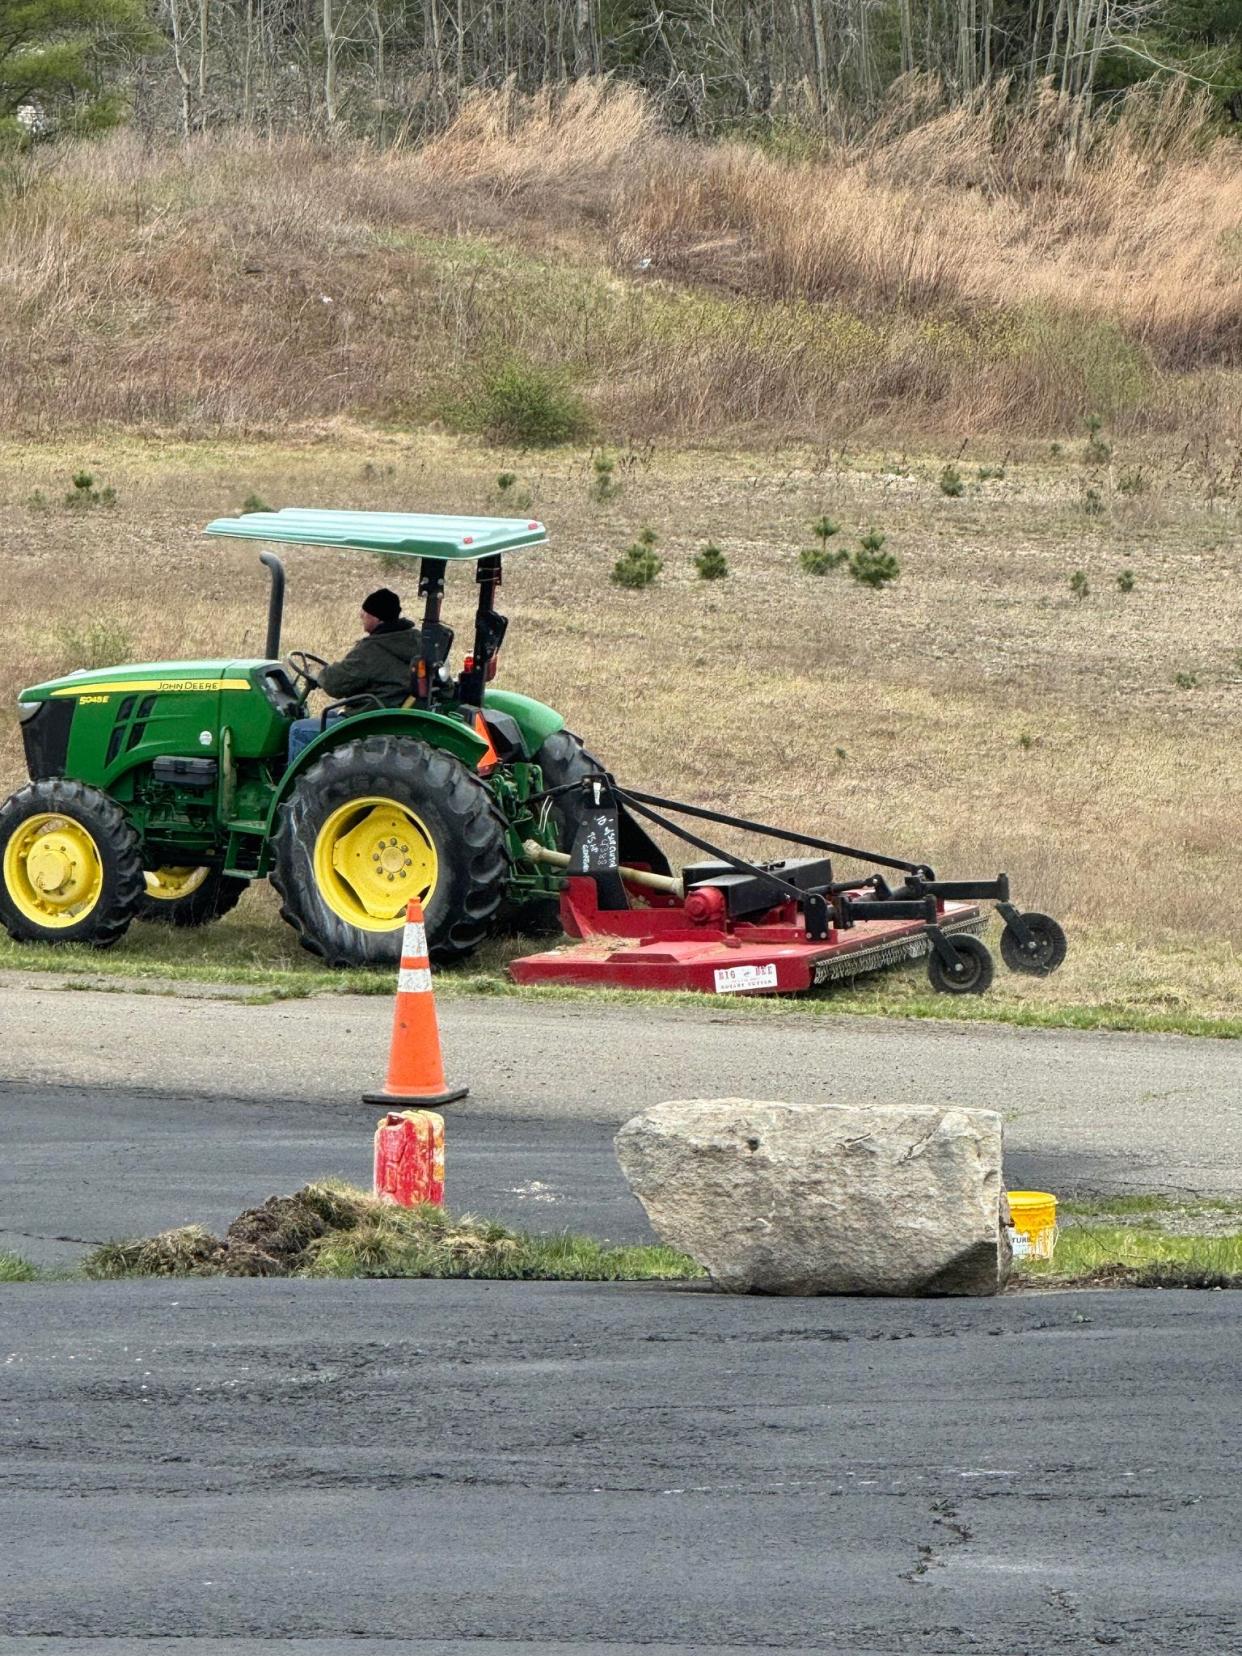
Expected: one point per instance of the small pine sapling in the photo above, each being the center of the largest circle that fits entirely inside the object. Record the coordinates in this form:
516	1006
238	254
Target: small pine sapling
1097	450
818	560
951	481
84	493
871	566
711	563
604	486
638	565
1125	581
1079	585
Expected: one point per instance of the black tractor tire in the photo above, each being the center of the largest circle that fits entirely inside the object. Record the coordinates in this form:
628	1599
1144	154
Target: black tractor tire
462	820
977	968
117	861
218	895
1047	953
563	760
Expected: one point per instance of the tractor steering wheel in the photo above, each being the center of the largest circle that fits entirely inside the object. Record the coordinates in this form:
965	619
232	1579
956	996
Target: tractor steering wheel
297	663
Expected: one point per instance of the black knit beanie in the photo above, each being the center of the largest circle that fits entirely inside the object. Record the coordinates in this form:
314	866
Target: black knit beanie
383	605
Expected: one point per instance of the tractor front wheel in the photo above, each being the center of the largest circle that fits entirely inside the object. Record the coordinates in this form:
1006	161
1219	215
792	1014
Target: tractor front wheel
189	896
72	865
374	823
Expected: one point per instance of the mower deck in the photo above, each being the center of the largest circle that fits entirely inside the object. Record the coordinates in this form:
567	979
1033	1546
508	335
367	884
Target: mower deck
729	926
655	948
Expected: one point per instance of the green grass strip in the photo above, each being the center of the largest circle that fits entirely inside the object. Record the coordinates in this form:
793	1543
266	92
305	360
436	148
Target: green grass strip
1137	1256
15	1269
384	1241
253	983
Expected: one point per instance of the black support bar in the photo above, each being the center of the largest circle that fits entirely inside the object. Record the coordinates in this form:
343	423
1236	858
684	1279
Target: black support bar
785	834
893	908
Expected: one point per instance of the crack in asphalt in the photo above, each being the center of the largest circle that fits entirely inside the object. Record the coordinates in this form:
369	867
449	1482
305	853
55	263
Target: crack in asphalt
930	1557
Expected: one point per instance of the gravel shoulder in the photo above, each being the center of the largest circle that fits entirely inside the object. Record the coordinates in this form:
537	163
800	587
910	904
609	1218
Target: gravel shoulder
1111	1112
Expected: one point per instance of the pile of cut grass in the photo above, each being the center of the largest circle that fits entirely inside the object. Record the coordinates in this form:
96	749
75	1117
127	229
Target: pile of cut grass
331	1229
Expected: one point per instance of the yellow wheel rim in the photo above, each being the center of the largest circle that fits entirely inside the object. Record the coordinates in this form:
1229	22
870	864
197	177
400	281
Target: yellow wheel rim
167	885
371	856
52	871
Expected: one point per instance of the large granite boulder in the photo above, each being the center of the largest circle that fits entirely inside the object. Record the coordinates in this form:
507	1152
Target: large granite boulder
825	1198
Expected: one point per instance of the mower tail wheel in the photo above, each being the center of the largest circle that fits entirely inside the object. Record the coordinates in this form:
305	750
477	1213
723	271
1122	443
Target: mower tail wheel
72	865
375	822
972	970
189	896
1043	951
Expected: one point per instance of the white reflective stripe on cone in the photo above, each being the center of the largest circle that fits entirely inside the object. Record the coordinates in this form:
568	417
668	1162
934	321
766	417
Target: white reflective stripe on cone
415	940
413	980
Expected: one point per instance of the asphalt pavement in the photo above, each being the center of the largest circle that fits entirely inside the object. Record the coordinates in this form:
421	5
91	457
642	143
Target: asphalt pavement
470	1467
1082	1112
204	1467
81	1167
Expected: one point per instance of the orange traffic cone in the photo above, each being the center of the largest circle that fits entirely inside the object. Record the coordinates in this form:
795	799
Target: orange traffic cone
415	1067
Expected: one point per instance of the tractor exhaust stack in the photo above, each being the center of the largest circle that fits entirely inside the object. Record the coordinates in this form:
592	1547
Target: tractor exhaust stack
275	604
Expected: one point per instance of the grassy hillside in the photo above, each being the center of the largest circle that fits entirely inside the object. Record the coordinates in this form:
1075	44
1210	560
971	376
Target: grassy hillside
946	277
1023	373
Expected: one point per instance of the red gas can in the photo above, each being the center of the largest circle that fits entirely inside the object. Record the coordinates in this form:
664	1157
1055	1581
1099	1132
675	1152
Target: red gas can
409	1158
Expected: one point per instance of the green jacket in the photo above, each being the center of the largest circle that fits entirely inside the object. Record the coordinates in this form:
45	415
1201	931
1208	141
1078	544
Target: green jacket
379	664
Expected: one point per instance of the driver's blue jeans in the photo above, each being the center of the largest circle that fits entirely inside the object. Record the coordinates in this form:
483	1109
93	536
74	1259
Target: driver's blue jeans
302	733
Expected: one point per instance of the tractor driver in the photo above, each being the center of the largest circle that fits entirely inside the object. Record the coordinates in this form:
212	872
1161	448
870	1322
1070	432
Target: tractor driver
379	664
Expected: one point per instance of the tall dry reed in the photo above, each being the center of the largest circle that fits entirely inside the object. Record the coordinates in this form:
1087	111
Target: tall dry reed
1005	266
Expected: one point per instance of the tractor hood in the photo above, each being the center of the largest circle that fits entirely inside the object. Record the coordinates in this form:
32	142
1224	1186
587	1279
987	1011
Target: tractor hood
152	677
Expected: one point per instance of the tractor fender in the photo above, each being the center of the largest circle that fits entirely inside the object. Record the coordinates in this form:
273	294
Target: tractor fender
435	729
535	721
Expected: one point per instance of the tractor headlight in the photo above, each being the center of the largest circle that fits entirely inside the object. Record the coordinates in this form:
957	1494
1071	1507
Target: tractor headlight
27	710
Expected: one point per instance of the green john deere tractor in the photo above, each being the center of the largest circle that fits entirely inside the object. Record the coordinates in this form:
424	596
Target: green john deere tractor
160	791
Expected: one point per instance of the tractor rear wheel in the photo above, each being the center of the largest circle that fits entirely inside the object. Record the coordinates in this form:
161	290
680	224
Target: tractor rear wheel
72	865
375	822
188	896
563	760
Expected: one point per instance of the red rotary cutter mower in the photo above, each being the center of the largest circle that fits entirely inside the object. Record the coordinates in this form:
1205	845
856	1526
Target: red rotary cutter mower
729	926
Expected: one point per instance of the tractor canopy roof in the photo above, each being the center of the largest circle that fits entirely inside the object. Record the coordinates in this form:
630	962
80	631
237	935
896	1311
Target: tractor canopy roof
402	534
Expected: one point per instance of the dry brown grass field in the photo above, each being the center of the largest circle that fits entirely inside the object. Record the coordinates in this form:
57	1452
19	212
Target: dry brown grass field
977	713
760	335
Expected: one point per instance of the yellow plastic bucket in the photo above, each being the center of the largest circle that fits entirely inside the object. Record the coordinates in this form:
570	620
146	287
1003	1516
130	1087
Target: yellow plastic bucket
1034	1230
